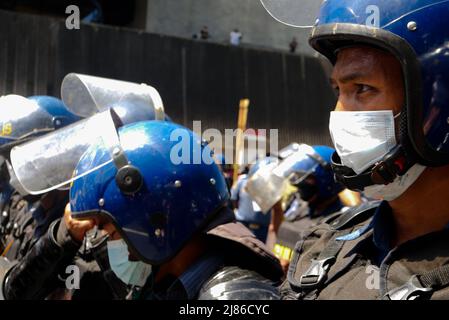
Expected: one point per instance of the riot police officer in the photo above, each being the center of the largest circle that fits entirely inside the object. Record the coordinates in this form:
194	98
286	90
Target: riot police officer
171	234
246	209
316	186
390	132
25	217
25	222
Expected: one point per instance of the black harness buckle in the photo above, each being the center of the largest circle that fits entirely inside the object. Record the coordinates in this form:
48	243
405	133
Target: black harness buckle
411	290
384	172
316	273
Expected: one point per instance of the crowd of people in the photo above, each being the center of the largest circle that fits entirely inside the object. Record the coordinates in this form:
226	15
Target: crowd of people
91	183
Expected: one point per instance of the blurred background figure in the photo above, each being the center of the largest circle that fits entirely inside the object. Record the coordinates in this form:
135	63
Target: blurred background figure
204	33
227	169
293	45
247	210
316	198
235	37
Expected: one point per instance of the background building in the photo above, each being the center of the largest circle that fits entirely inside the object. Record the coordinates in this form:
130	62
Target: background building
198	80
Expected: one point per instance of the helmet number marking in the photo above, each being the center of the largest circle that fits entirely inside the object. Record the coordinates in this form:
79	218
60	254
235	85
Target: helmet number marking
6	129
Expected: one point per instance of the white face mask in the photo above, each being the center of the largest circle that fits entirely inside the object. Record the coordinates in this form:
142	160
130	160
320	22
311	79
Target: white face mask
134	273
361	139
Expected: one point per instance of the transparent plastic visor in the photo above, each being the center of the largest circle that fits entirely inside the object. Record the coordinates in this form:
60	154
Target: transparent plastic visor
49	162
294	13
87	95
268	184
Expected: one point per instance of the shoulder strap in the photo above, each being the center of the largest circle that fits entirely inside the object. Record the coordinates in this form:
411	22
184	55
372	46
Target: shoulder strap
355	215
420	286
316	274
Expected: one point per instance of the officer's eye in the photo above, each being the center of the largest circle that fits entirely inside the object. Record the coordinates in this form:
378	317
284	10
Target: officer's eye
363	88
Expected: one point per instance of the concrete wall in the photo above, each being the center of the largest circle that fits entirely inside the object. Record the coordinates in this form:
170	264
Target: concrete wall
196	80
185	17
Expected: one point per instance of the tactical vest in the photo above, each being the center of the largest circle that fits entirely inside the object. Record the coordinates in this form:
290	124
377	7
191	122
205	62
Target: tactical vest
290	232
323	267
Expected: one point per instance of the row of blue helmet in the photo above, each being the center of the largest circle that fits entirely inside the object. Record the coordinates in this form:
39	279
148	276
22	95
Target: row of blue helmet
122	167
23	119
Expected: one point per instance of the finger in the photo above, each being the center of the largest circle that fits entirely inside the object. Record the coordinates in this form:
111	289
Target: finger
67	213
67	208
86	224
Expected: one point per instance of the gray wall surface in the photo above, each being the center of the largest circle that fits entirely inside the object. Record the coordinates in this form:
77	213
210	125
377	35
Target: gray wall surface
185	17
196	80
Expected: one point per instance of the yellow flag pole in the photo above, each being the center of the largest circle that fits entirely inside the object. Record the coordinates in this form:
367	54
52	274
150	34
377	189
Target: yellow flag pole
240	138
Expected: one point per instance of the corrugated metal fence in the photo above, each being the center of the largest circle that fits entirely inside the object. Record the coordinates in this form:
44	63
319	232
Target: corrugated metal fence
197	80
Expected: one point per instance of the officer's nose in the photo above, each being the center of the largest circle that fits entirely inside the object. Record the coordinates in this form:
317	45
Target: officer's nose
339	106
345	103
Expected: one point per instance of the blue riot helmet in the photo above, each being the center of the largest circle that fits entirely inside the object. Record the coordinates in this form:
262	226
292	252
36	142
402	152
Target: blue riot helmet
151	191
24	118
54	106
317	165
415	33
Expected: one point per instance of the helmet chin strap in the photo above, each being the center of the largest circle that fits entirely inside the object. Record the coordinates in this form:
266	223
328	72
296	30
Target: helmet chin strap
392	165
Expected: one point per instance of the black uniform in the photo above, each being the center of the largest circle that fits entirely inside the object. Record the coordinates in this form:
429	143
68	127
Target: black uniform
237	260
350	258
237	267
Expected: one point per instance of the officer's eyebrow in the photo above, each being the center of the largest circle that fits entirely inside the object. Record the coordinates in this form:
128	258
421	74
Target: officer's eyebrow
353	76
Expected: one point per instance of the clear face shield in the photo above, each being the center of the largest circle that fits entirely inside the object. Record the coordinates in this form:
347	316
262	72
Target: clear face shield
294	13
48	162
268	184
87	95
288	150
